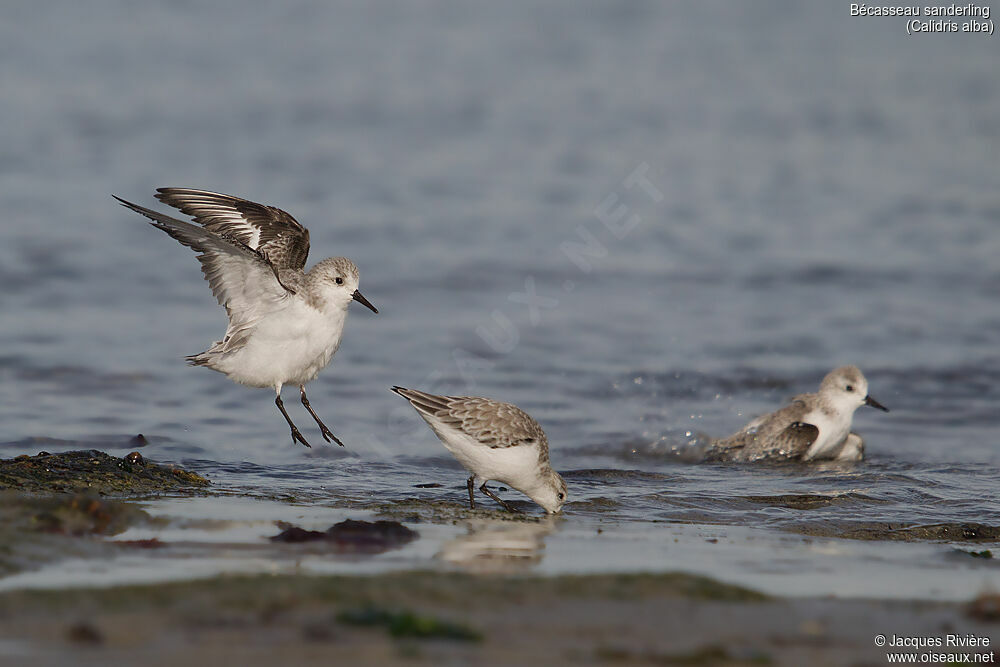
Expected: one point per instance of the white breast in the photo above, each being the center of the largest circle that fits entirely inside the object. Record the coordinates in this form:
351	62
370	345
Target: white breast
832	431
290	346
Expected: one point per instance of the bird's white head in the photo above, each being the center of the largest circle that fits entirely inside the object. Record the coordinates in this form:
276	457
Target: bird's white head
335	281
550	492
847	390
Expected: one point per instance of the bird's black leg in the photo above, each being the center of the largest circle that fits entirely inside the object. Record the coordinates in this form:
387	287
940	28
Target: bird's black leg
296	436
498	499
472	497
327	433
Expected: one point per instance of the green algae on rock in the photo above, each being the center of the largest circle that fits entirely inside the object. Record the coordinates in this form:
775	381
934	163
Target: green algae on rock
93	471
400	624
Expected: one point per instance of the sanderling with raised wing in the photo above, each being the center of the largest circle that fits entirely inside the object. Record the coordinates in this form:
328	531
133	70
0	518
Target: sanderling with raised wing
811	427
285	324
494	441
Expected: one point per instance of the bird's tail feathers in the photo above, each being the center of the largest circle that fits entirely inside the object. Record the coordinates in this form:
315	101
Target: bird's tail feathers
200	359
423	402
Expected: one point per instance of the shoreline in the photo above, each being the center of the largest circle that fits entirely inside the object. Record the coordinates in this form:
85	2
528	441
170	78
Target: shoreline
202	574
429	617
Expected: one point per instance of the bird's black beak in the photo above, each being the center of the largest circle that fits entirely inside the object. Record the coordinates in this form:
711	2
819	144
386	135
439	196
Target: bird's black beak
875	404
359	297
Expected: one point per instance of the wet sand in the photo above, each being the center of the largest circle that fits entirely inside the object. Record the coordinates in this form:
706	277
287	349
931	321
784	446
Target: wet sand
430	618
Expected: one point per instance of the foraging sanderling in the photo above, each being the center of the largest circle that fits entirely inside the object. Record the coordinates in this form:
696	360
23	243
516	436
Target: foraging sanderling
285	324
812	427
494	441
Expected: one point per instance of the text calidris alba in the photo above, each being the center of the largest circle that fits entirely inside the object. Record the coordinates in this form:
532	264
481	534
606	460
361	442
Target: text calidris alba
285	324
494	441
812	427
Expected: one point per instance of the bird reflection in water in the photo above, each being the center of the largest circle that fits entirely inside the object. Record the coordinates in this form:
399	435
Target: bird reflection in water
497	546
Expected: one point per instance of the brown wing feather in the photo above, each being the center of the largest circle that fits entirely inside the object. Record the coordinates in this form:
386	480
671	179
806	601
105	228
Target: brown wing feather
493	423
496	424
780	435
272	232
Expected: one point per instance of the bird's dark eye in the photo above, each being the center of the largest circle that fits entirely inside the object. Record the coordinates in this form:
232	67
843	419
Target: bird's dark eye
339	280
849	387
562	496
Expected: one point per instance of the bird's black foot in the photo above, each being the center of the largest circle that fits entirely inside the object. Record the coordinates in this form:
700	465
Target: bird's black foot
497	498
296	435
327	433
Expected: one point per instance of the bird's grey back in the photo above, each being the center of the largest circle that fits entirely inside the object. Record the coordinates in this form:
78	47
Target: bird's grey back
492	423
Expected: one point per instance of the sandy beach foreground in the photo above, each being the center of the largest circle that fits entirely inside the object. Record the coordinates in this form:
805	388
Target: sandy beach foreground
449	618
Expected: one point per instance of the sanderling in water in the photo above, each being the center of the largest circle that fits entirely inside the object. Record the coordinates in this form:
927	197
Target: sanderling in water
285	324
494	441
811	427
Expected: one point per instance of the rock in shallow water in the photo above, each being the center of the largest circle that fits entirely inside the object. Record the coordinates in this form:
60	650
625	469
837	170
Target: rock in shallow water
349	536
93	471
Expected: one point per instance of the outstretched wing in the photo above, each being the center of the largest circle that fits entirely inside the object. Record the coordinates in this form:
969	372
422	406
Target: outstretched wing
241	278
270	231
492	423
